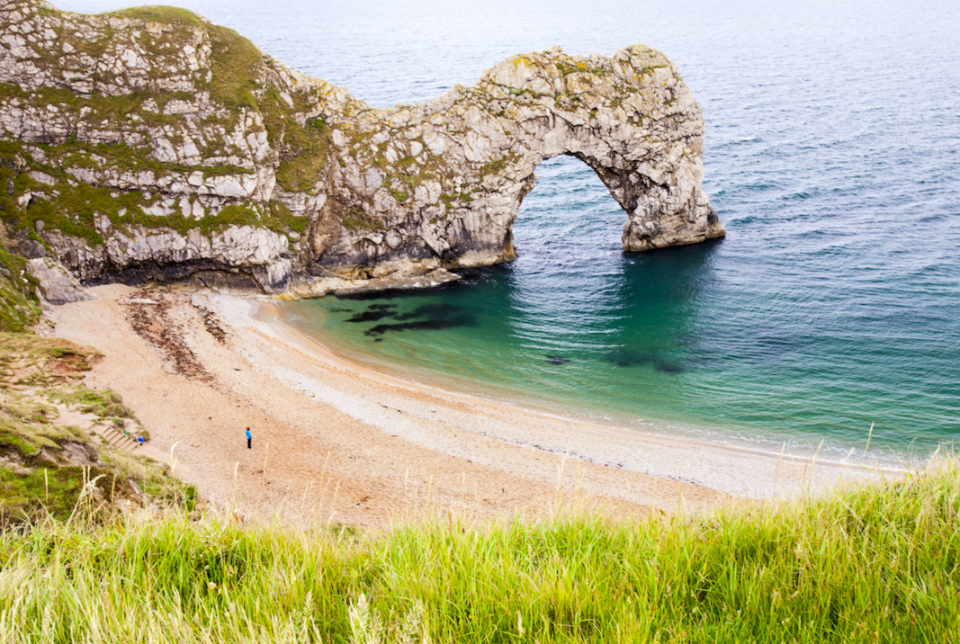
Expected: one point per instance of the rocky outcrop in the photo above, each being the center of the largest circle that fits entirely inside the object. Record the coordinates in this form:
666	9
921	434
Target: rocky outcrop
56	285
149	143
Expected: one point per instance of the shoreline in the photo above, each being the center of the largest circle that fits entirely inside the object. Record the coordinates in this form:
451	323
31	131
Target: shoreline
886	460
657	431
337	440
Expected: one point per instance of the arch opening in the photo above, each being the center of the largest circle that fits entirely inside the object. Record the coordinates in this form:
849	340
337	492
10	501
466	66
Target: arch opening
568	216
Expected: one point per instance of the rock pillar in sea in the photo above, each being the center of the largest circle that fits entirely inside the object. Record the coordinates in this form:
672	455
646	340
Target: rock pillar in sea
149	143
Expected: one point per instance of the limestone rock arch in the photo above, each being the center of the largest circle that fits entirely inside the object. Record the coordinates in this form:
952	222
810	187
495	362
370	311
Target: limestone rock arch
440	184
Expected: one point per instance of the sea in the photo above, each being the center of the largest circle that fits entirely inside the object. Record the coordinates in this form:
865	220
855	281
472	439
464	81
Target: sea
829	317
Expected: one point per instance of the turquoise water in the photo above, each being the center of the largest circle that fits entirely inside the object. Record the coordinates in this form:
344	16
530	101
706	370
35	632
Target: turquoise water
832	142
716	339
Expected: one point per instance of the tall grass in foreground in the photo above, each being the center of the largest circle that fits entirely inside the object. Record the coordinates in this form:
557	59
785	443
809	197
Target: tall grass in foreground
880	563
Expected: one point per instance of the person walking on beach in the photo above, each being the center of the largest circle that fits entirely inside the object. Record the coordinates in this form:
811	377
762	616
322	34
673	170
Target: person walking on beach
249	439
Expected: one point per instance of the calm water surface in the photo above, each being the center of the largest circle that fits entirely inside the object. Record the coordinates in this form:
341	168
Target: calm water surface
832	158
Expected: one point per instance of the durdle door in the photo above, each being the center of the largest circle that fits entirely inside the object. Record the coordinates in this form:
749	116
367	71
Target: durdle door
151	144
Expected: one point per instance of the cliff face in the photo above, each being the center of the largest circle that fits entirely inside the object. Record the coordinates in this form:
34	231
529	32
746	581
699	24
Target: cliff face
149	143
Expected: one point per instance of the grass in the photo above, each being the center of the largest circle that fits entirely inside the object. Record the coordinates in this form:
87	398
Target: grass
237	66
18	304
40	475
50	492
874	564
30	360
27	359
161	14
25	431
104	405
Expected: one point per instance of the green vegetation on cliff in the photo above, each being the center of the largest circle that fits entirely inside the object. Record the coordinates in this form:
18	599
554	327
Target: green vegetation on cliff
101	158
304	149
46	467
875	564
18	304
73	207
161	14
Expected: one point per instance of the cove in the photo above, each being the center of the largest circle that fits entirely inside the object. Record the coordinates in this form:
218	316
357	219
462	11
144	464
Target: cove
683	340
831	157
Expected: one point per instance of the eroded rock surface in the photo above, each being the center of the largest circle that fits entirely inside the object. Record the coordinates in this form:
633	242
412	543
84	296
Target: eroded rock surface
149	143
56	285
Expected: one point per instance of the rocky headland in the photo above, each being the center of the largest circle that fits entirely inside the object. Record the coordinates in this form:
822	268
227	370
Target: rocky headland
150	144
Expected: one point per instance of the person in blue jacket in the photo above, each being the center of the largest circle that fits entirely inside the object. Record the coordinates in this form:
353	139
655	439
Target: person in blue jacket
249	439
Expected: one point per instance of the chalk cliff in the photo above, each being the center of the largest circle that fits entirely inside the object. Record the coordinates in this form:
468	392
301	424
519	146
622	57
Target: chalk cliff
151	144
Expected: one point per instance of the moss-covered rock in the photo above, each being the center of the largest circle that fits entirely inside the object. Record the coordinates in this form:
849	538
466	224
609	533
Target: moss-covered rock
18	303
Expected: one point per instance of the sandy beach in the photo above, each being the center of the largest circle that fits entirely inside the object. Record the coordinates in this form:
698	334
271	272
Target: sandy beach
336	441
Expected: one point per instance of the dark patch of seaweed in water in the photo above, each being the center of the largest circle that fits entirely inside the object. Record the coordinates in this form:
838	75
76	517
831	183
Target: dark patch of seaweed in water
632	358
427	317
374	313
629	358
431	311
430	324
435	316
668	367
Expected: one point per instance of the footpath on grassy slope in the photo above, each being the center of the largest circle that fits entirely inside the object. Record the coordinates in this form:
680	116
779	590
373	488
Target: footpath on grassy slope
46	464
